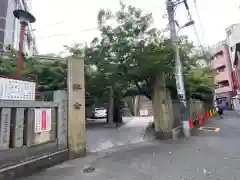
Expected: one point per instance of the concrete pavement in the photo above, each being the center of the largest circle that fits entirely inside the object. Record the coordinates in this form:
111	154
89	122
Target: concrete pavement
205	156
101	138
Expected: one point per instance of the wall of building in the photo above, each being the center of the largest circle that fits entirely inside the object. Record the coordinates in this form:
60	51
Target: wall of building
223	72
3	14
10	25
233	37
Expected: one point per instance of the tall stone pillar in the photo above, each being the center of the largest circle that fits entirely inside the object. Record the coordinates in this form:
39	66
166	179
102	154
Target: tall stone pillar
76	107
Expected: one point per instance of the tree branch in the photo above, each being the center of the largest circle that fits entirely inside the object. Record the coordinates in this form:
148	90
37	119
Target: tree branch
141	91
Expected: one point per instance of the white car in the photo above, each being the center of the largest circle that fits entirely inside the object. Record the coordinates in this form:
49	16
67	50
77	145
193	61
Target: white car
100	113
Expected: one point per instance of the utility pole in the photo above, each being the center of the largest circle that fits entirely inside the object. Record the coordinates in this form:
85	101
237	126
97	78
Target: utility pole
178	64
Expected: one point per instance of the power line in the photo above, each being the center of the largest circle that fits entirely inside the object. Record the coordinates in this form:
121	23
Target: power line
199	19
49	25
83	30
195	29
67	34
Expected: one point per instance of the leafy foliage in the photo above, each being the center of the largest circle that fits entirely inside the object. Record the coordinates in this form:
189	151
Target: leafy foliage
128	57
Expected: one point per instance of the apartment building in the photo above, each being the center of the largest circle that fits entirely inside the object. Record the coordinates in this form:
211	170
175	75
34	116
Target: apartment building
221	65
233	40
10	26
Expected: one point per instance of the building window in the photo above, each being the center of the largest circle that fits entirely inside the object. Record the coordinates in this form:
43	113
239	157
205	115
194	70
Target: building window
224	83
221	100
220	69
220	53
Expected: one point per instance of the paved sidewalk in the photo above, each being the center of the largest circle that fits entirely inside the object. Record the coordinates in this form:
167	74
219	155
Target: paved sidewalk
212	157
102	138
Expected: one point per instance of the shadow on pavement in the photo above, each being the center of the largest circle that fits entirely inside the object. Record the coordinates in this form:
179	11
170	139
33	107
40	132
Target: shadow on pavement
95	123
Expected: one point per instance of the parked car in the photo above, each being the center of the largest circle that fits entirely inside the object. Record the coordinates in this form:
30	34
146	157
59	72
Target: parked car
100	113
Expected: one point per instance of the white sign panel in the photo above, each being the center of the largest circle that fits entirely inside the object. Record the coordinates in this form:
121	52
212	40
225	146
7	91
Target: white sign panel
43	120
11	89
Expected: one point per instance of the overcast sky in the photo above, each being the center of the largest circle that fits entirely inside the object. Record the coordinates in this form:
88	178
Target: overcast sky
59	22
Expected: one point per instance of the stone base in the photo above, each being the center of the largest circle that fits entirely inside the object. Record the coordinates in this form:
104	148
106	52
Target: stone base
176	132
33	166
162	135
78	154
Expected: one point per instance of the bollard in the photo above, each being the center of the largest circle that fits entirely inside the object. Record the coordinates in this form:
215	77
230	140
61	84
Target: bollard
186	129
190	120
200	122
206	116
210	113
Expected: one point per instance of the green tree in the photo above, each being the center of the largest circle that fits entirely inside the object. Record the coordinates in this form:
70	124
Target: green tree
49	75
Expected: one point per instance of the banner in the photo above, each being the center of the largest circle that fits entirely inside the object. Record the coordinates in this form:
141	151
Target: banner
235	78
43	120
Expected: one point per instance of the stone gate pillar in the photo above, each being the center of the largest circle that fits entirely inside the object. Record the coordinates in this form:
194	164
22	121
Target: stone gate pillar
76	107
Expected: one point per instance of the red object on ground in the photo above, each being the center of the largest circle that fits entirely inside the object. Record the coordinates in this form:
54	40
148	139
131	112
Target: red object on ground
190	122
203	117
206	116
200	121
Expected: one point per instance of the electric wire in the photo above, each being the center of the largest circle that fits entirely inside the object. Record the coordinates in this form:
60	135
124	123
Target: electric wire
83	30
194	26
50	25
68	34
199	19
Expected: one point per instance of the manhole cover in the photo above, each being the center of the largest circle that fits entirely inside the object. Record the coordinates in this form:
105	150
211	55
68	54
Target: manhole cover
89	170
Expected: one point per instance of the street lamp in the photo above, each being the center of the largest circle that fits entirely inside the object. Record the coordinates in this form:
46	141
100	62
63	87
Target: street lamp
25	18
178	66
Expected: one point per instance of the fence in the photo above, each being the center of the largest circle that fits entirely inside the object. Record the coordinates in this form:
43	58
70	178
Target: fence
177	109
21	137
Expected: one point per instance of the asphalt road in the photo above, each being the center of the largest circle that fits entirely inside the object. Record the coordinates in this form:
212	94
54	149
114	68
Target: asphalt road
205	156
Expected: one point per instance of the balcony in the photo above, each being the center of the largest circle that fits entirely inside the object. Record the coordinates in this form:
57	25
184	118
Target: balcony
223	89
220	58
223	76
219	61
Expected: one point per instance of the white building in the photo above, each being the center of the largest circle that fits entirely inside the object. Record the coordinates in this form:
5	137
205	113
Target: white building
233	39
10	26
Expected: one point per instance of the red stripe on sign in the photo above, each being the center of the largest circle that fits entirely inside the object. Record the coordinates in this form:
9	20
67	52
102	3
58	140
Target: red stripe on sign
44	120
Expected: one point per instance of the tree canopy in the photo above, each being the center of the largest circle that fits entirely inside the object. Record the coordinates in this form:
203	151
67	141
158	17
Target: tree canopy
128	57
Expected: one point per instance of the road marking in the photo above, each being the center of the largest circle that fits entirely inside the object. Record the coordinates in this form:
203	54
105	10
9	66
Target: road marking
213	129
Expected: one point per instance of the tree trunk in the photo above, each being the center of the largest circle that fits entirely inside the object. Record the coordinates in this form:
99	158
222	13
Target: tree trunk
136	105
110	113
162	117
117	110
